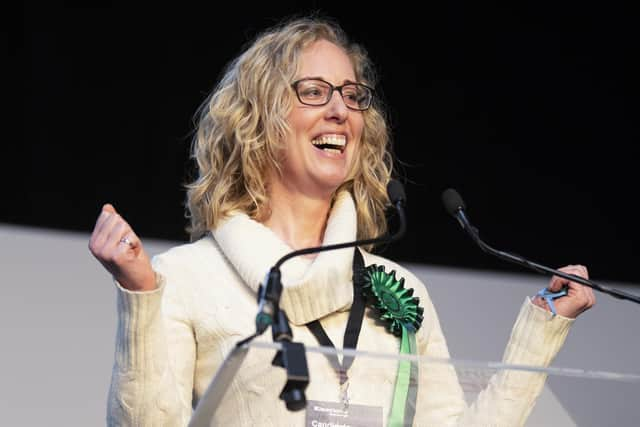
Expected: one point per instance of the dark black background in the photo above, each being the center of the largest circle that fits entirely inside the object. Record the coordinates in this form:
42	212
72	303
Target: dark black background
529	110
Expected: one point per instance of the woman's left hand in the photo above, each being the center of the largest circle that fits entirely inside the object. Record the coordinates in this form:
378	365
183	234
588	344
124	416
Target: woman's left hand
579	298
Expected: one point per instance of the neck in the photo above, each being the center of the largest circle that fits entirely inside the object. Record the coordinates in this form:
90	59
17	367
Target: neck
298	219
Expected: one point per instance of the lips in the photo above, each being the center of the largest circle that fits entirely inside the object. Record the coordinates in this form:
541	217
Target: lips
330	143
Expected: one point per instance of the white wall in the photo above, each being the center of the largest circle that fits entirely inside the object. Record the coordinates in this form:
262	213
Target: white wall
57	323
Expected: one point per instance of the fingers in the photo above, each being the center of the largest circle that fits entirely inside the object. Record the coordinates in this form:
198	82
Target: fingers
579	297
557	282
109	208
106	214
540	302
114	241
120	251
125	242
105	223
106	239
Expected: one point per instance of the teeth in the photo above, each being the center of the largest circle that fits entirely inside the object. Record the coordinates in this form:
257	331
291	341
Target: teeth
338	140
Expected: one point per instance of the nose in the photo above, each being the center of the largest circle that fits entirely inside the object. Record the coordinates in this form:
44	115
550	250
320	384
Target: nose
336	108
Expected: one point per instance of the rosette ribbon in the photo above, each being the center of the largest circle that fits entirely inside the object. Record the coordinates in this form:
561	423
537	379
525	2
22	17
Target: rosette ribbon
402	315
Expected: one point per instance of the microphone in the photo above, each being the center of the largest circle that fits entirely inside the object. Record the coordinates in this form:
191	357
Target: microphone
269	292
455	206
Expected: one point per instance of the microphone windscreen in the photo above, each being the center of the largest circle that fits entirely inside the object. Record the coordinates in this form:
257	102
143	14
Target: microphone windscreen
395	191
452	201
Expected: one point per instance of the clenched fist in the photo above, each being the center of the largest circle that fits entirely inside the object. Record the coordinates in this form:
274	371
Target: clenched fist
579	298
120	251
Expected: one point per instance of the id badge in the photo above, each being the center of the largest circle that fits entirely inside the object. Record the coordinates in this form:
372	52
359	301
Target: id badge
334	414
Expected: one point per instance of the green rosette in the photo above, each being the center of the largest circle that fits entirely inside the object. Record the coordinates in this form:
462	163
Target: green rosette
400	311
396	305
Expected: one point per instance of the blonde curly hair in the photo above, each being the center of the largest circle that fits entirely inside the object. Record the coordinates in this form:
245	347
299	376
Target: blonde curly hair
243	124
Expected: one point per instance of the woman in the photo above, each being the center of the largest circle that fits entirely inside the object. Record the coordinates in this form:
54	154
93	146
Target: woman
292	152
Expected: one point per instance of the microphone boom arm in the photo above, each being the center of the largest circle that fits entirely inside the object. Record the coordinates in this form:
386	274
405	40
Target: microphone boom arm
386	238
473	232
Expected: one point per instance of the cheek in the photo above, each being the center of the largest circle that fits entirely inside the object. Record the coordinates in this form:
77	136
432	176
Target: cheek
296	122
302	119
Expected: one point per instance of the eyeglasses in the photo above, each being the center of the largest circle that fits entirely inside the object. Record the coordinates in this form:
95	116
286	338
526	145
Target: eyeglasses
317	92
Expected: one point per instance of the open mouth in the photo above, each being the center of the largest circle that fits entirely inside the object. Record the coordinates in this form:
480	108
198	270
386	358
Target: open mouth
330	143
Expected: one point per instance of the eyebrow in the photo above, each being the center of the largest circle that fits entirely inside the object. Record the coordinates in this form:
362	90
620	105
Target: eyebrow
345	81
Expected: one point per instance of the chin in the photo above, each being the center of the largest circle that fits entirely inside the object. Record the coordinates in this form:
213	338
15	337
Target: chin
332	184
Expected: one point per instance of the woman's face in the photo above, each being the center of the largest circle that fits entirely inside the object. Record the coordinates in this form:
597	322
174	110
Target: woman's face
308	168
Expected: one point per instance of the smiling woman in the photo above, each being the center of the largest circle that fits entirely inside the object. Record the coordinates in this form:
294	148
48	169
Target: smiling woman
321	147
292	152
268	132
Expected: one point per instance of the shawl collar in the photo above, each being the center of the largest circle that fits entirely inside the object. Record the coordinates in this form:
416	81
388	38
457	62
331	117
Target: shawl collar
312	288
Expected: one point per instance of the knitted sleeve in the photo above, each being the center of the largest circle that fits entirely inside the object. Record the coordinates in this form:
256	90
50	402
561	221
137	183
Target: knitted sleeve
510	395
535	340
152	378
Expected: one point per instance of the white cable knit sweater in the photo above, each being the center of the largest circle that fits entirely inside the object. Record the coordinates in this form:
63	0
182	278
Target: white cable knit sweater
171	341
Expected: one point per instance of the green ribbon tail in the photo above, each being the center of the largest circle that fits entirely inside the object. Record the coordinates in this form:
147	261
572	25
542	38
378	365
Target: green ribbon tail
403	381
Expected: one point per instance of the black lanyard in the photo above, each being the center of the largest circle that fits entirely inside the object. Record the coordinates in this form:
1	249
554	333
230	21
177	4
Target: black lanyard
354	324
